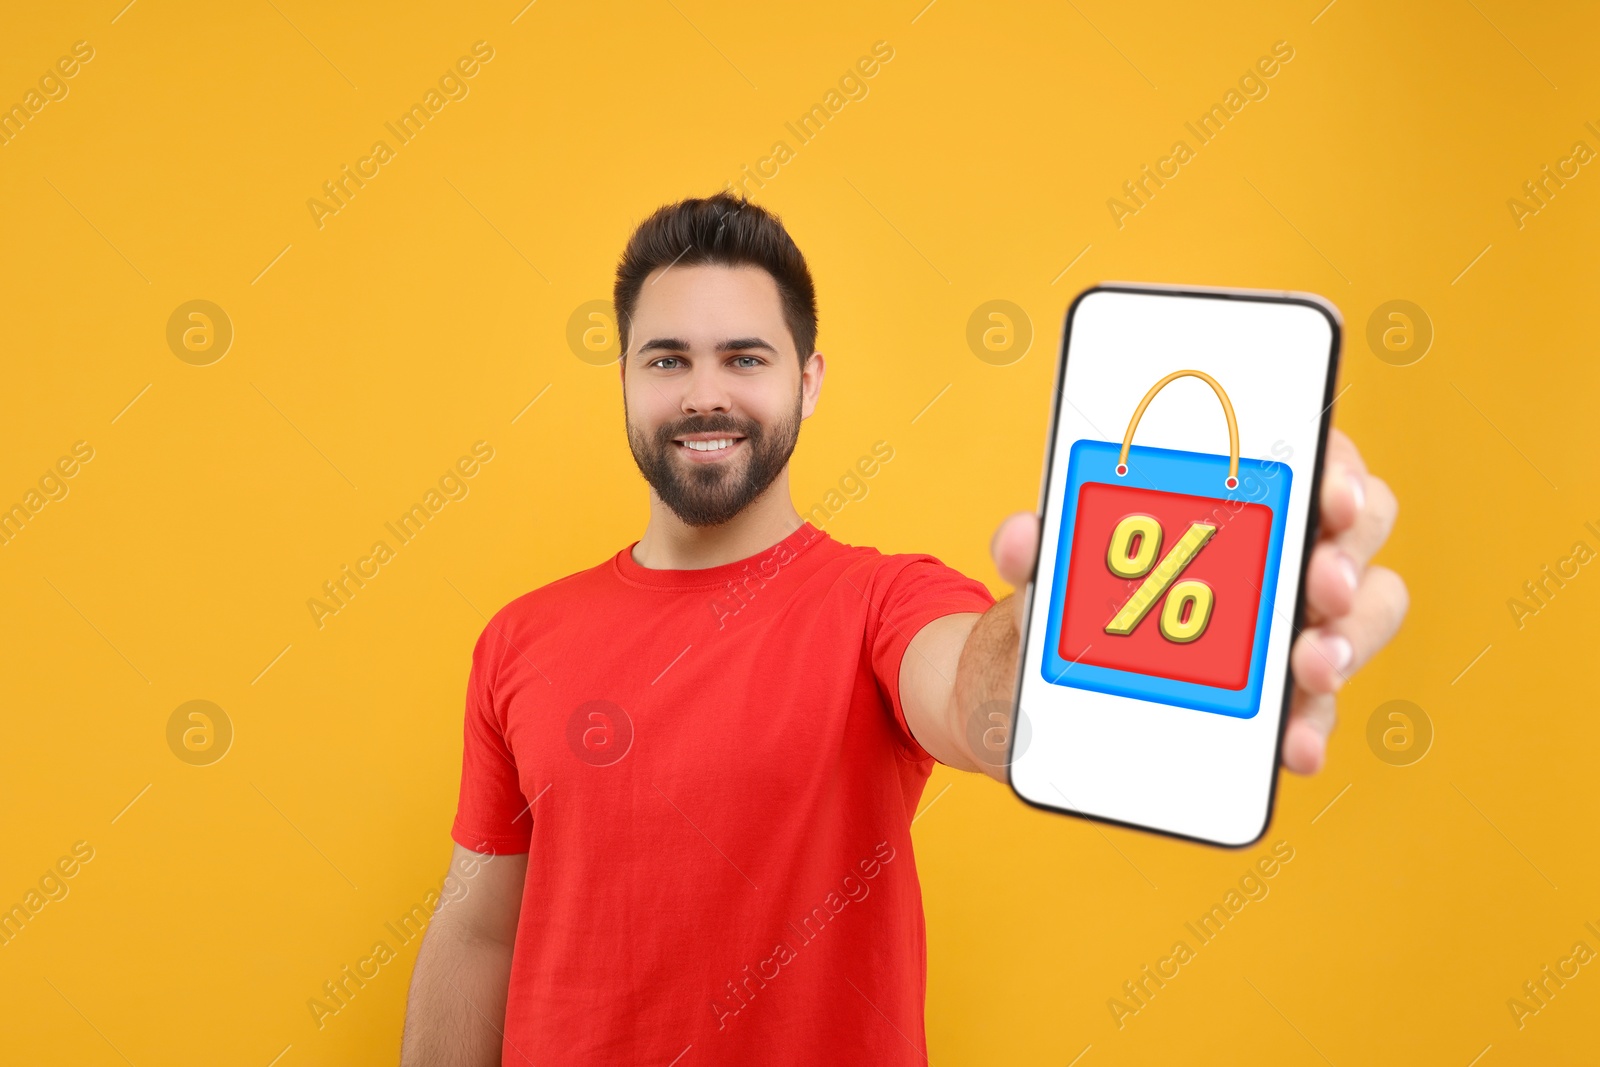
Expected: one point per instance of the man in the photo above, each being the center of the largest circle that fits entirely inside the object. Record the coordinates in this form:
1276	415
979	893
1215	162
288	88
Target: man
690	772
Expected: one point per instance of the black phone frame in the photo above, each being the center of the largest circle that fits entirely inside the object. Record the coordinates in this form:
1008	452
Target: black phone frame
1313	523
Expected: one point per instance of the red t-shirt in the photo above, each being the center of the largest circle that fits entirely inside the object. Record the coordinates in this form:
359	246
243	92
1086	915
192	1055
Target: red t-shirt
714	780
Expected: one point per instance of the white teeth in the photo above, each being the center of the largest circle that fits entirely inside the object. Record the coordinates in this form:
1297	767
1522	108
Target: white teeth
709	446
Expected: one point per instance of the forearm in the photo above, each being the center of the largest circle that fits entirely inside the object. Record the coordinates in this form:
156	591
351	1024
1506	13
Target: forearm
455	1013
984	690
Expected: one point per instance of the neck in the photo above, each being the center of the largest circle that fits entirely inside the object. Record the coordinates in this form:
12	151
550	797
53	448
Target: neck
668	543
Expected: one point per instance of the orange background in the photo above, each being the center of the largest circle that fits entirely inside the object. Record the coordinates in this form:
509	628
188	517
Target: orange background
370	353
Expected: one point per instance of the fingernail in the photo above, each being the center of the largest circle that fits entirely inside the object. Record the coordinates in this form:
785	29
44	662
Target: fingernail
1358	491
1338	650
1347	567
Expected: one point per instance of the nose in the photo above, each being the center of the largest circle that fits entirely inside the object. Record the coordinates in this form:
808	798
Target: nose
705	390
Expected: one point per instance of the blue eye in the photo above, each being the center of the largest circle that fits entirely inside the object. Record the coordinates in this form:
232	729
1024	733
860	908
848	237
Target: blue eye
664	359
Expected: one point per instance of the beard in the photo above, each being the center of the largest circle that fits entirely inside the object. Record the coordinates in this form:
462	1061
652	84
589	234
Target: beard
713	493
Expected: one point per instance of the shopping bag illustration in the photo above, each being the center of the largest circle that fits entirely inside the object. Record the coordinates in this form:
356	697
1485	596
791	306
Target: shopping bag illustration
1166	573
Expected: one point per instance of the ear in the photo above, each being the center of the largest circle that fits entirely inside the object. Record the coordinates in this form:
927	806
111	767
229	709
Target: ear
811	383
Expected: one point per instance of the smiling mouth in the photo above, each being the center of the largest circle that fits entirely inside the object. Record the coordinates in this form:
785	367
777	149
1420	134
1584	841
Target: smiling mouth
716	444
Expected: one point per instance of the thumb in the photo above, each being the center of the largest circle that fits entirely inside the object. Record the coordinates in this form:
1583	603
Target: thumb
1015	547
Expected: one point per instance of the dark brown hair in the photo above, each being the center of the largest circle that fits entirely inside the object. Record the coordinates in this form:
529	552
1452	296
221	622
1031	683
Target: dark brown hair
725	230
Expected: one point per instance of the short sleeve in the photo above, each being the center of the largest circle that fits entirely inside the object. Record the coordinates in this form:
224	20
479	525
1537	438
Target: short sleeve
909	593
491	813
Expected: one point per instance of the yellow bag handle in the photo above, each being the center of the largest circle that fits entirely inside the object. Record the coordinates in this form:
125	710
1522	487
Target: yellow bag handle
1227	409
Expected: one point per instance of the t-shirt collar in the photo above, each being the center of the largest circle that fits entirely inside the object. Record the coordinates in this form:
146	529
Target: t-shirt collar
630	570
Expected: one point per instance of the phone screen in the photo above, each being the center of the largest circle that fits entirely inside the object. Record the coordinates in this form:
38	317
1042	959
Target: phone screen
1177	512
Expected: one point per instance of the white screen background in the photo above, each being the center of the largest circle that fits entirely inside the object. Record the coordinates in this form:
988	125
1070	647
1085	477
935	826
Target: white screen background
1182	771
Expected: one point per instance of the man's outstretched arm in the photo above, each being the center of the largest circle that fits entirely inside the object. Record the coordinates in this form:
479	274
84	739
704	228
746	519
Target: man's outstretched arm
456	1010
958	677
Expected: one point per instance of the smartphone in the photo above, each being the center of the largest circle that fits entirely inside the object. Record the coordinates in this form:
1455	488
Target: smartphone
1178	511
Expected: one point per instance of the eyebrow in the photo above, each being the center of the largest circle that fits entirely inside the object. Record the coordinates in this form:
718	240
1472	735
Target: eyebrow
674	344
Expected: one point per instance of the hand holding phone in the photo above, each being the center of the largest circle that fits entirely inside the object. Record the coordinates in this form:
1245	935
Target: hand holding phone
1177	539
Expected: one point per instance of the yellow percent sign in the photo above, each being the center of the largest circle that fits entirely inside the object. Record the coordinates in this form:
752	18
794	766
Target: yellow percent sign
1132	554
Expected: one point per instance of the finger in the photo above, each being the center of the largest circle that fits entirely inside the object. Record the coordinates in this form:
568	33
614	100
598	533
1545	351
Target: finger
1312	717
1323	658
1372	527
1015	547
1344	476
1331	581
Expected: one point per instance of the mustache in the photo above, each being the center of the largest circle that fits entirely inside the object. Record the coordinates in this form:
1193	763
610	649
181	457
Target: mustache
709	424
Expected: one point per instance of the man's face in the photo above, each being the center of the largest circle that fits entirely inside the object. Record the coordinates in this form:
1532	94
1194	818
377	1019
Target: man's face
712	389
